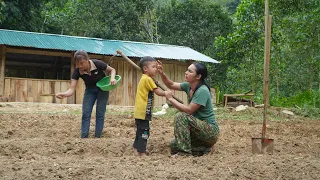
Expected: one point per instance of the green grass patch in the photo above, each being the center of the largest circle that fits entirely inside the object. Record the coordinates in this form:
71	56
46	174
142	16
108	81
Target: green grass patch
313	113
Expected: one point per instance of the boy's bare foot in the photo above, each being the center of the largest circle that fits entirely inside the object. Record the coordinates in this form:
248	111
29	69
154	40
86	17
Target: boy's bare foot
147	153
141	154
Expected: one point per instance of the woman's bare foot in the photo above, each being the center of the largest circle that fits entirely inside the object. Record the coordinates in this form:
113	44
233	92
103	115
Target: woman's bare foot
182	154
212	149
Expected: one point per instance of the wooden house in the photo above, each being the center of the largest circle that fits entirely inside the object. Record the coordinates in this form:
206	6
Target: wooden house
36	66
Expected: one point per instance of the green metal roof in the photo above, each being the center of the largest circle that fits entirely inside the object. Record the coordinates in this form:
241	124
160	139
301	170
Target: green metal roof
99	46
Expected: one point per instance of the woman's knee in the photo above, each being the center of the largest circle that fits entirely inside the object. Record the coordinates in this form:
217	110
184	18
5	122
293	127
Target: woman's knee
181	118
217	138
180	115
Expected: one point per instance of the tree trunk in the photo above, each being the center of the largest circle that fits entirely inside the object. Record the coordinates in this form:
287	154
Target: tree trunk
311	69
278	76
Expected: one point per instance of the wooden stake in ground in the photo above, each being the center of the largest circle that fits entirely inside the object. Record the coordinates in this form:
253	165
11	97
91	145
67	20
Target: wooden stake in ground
262	145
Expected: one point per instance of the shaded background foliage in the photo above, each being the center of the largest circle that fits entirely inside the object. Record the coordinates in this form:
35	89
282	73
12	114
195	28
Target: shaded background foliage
194	23
21	15
294	70
231	31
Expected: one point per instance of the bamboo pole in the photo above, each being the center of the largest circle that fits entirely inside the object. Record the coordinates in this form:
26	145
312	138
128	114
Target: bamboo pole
266	66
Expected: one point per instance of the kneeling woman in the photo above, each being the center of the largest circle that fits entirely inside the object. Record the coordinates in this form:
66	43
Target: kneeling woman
195	127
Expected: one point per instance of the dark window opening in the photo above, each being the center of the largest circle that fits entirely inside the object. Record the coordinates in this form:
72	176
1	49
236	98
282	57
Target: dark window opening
37	66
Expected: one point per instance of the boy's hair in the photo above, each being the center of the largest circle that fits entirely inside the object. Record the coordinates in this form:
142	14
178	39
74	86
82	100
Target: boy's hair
144	61
80	54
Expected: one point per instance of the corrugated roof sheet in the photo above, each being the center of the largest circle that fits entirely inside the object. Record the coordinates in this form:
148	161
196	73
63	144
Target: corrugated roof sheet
99	46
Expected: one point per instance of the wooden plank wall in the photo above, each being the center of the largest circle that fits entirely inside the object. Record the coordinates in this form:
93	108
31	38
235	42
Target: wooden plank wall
43	90
2	68
36	90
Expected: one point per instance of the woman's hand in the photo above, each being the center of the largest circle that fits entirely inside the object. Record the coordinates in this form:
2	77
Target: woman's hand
60	95
168	94
159	67
113	81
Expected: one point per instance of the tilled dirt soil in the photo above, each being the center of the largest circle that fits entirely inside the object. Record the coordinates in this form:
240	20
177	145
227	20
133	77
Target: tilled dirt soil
41	141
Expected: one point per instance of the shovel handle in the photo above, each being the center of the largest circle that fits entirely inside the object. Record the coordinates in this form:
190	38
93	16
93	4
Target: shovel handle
129	60
138	68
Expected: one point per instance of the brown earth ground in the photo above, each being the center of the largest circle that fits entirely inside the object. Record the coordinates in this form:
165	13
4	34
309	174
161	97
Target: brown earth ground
41	141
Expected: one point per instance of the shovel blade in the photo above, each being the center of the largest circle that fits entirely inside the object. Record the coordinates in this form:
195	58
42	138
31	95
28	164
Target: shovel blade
262	146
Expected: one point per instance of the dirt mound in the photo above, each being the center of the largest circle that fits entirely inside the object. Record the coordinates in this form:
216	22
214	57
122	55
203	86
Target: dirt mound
41	141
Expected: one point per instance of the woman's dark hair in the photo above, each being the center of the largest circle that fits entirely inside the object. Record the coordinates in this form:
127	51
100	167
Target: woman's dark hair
202	70
80	54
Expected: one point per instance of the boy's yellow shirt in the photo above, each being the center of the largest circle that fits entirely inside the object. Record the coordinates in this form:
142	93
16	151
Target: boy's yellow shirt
144	98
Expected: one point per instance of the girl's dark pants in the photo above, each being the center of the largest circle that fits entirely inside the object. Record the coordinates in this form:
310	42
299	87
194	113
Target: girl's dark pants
92	95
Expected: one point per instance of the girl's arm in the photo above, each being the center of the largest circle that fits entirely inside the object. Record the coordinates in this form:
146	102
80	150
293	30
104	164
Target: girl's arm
112	72
70	91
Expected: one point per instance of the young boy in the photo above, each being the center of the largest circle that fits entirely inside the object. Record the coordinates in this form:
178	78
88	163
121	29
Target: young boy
144	103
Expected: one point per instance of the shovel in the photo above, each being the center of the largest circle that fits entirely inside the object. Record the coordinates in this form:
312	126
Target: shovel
263	145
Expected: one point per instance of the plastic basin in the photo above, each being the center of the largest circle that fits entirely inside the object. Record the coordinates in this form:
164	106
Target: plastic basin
104	83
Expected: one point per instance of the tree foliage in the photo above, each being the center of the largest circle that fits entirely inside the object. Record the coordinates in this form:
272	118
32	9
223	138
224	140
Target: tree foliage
21	15
294	50
109	19
193	23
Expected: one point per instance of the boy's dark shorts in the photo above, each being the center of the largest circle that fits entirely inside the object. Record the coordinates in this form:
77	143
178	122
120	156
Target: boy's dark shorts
142	135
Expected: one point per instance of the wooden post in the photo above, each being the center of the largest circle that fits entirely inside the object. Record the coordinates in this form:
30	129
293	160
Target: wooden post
72	68
225	101
72	65
2	69
253	75
266	66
